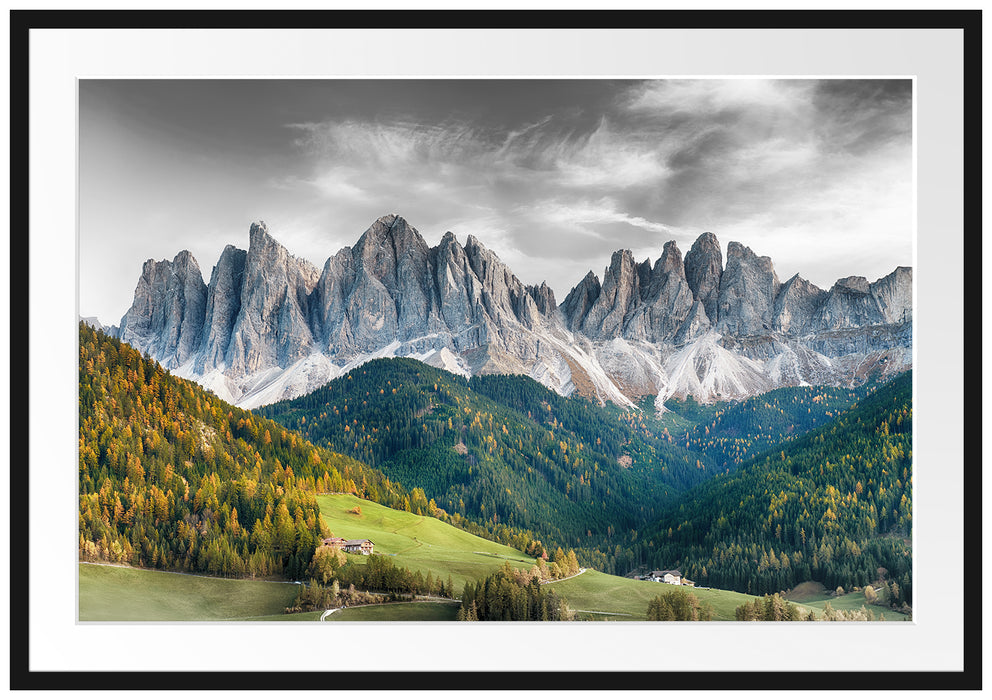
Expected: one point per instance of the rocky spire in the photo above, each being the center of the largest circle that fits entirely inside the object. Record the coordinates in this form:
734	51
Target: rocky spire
166	315
579	301
703	269
748	287
271	328
544	298
222	307
619	294
796	305
665	300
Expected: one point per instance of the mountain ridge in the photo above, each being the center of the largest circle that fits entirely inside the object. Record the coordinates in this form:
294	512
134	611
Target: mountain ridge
270	326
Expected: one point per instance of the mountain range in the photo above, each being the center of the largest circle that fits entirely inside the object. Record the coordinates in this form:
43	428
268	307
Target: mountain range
269	326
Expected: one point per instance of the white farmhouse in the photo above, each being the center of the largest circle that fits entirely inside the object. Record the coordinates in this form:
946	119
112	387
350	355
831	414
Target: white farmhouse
672	576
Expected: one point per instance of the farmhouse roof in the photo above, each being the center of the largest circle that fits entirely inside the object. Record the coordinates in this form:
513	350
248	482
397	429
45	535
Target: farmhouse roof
354	542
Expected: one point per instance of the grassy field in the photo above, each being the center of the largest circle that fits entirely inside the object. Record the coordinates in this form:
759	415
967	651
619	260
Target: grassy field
628	599
426	611
412	541
418	542
813	595
293	617
114	593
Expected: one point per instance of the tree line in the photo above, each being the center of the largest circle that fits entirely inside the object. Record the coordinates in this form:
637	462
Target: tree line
511	594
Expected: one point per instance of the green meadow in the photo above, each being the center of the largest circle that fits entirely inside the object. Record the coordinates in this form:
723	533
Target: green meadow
112	593
815	596
626	599
418	542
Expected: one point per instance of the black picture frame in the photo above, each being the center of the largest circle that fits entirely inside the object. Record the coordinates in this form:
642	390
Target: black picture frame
21	25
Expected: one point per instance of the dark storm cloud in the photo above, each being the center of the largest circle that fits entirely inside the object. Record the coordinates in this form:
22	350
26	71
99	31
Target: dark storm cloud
554	175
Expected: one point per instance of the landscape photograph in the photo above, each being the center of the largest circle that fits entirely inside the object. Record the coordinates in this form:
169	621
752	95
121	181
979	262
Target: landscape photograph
495	350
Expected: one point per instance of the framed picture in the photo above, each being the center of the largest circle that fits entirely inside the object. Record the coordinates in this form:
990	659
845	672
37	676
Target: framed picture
836	145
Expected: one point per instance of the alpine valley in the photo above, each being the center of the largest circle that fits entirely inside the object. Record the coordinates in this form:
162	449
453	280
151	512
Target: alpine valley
516	458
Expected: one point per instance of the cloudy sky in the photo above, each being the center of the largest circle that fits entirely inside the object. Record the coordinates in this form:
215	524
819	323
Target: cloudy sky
553	175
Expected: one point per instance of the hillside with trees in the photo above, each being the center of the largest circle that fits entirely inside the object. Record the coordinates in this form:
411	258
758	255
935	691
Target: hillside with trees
501	449
171	477
730	434
833	506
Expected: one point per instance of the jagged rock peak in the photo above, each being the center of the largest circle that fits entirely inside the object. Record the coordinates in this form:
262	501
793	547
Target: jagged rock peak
706	240
261	244
185	259
671	260
894	295
797	303
258	235
748	287
703	269
578	301
166	316
386	244
544	298
854	283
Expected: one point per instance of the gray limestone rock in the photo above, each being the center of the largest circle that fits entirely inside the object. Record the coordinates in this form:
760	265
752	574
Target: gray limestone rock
166	317
329	303
544	298
748	288
620	292
222	308
696	324
668	299
580	300
797	303
893	295
703	269
849	304
271	329
276	326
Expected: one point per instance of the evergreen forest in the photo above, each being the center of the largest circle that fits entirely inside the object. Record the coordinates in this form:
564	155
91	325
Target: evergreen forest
833	506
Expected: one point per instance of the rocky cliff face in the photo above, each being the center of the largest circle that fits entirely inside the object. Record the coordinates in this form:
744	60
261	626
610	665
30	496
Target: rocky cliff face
267	315
727	332
270	326
222	309
748	287
703	268
166	317
795	306
636	301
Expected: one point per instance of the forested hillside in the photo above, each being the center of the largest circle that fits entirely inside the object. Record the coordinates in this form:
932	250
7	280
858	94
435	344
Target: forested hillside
730	433
832	506
500	448
172	477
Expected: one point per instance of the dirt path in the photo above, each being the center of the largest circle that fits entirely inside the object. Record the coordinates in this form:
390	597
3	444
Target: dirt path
559	580
603	612
324	614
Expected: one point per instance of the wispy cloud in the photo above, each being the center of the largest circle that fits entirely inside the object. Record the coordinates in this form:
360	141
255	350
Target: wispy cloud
752	159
